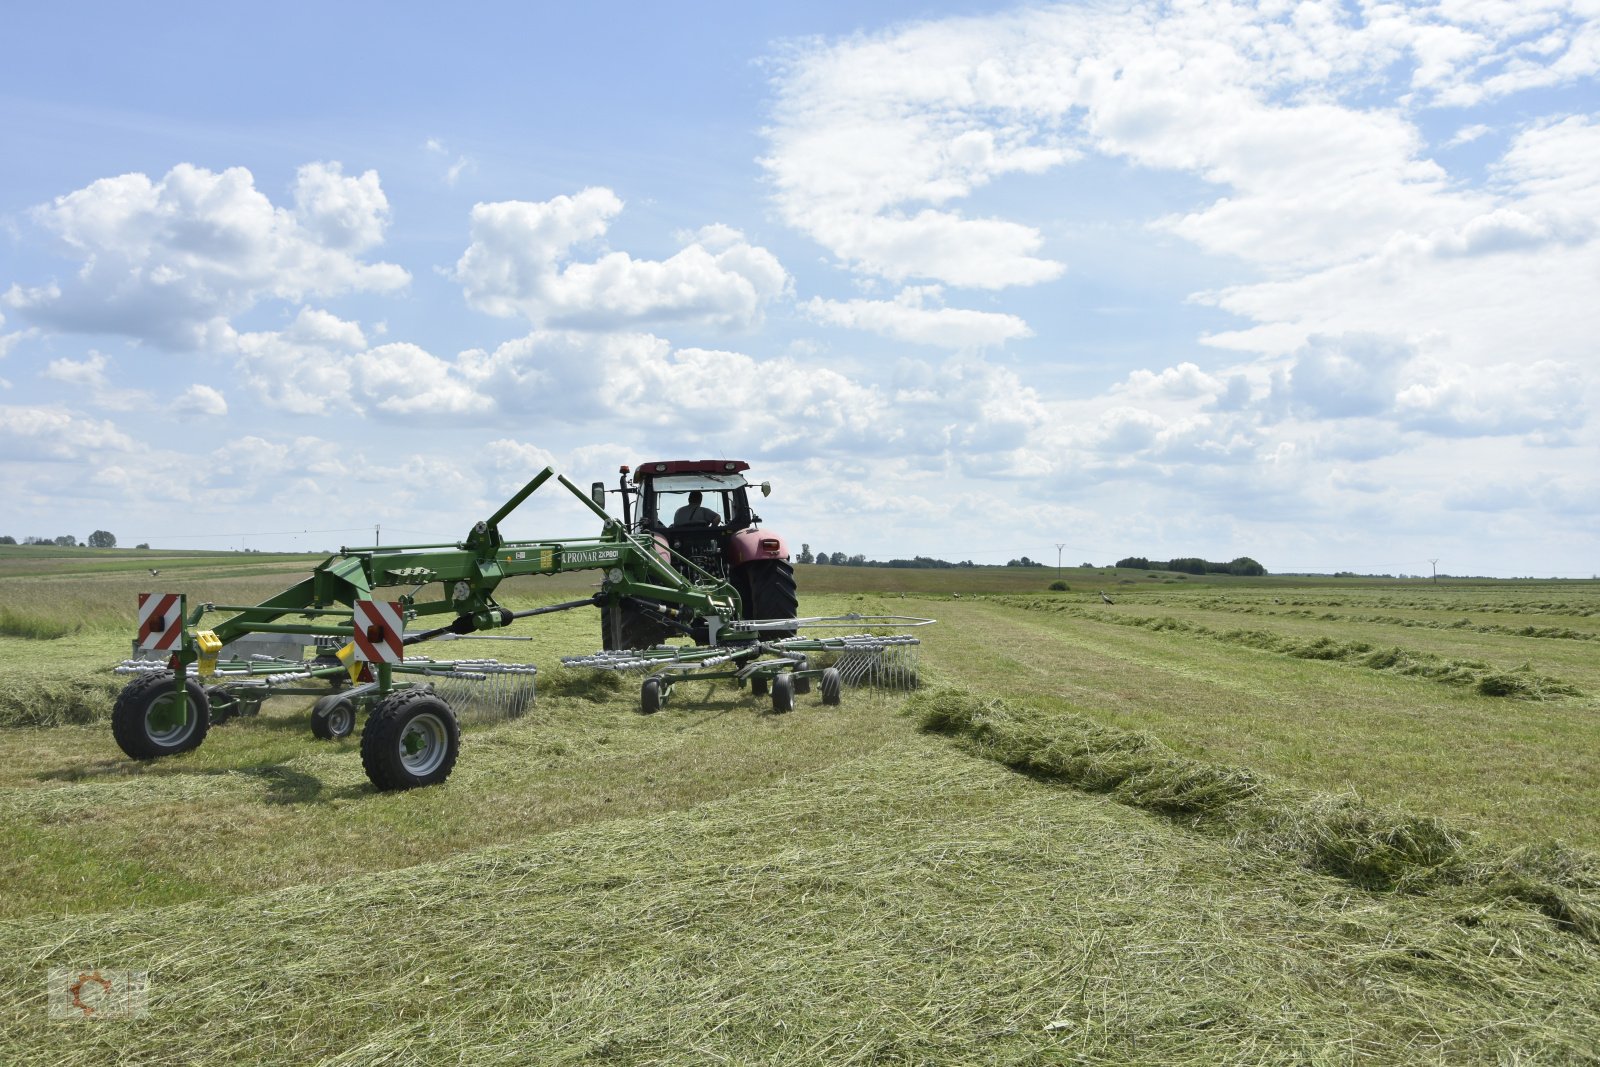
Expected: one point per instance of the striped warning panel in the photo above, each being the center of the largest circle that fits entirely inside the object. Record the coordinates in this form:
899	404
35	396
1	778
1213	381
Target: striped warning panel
161	621
380	631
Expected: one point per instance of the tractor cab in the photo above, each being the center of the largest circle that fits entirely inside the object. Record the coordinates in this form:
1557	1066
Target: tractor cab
700	510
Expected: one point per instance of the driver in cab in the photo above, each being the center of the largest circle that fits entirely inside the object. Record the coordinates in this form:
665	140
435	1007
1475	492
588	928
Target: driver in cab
693	512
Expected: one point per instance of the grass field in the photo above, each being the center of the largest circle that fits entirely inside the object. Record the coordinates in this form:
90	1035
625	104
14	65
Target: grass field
1225	820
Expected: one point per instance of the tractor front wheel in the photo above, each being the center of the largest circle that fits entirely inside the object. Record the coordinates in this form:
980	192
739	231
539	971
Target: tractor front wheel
150	719
411	740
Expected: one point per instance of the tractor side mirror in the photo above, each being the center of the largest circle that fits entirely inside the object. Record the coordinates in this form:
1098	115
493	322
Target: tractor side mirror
597	493
766	488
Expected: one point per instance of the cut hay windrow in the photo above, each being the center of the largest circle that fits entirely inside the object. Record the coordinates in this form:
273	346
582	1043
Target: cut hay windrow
1374	848
912	906
1519	683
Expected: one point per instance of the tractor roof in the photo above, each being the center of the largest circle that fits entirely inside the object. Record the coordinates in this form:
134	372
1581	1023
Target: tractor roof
688	466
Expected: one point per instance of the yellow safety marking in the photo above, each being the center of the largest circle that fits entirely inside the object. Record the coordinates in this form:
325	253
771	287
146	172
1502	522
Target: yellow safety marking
210	644
347	656
547	559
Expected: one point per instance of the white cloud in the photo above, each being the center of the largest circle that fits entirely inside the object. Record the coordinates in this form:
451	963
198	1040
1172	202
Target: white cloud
200	399
1468	134
88	373
1340	377
403	379
521	262
162	259
1458	401
55	433
909	318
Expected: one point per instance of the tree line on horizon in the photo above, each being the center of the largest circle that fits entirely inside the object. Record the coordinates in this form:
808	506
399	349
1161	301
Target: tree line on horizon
1244	566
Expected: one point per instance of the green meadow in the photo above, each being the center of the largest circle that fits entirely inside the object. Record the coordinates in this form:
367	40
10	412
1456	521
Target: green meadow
1219	820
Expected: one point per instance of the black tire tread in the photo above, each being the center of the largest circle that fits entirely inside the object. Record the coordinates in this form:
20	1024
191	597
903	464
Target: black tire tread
380	740
128	716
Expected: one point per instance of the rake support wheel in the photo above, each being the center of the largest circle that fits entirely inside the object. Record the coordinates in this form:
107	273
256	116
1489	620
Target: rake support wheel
832	685
411	740
149	719
650	696
783	693
333	717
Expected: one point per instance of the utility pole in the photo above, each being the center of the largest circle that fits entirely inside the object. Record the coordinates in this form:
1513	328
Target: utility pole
1435	565
1058	561
377	541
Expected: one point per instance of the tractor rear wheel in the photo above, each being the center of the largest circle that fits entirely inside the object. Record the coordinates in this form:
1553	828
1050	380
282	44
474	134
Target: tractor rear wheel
150	719
766	586
411	740
624	626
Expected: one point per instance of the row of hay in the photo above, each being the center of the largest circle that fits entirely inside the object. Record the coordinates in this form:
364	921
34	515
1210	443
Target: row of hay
914	906
1372	847
1521	683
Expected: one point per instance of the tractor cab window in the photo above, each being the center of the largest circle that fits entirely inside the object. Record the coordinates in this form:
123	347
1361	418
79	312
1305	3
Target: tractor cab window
724	494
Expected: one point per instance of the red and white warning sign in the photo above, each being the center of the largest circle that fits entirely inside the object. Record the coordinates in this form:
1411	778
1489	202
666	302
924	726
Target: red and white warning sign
380	631
161	621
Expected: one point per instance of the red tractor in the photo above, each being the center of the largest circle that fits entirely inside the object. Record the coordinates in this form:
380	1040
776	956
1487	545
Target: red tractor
699	513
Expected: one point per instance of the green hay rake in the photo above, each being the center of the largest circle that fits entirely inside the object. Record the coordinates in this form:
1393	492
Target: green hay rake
358	640
782	668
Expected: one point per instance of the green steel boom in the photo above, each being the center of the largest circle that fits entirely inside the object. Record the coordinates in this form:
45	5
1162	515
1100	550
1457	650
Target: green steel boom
468	573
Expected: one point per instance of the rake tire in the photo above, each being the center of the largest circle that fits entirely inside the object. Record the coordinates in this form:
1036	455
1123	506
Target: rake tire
333	717
224	705
782	693
832	686
151	694
650	696
411	740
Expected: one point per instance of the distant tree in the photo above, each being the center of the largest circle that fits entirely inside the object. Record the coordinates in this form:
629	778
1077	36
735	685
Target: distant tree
1187	565
1023	562
67	541
1058	587
145	544
1138	563
1246	566
8	540
102	539
823	558
1087	566
805	555
857	560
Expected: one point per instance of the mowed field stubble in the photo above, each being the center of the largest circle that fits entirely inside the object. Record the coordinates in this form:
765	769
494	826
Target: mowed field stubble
1246	820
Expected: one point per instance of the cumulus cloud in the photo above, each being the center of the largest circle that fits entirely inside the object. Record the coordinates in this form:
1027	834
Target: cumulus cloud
56	433
521	262
1341	377
909	317
163	259
1457	401
200	399
321	364
88	373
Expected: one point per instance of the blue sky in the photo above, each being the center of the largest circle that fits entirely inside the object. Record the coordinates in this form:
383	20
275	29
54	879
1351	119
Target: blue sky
1317	283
